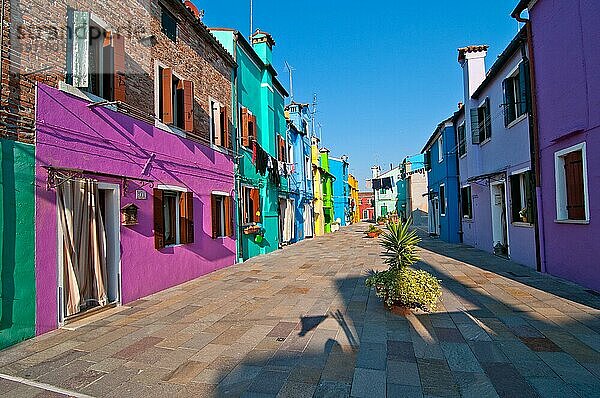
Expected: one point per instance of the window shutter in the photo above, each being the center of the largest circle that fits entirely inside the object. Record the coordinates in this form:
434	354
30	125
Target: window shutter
244	128
189	202
81	48
529	183
228	216
166	80
525	87
574	180
215	218
251	129
118	44
507	102
256	213
225	127
188	105
475	125
427	160
159	223
488	118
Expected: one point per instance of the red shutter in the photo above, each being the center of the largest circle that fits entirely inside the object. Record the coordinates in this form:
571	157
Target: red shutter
251	129
225	128
574	180
118	42
228	216
215	217
166	80
255	196
188	105
281	148
159	223
244	128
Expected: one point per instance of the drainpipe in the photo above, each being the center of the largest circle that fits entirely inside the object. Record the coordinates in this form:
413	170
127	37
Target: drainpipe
534	144
237	161
1	46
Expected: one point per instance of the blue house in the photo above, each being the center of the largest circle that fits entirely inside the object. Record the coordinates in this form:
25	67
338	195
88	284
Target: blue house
411	191
341	190
301	179
441	162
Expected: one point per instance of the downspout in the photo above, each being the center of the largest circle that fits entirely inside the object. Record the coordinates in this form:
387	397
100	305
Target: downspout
457	160
534	145
237	161
1	48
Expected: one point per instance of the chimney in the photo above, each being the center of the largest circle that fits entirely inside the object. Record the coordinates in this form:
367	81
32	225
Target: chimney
375	171
472	60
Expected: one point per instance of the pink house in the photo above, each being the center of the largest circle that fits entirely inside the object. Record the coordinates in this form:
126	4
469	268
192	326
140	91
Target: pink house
163	201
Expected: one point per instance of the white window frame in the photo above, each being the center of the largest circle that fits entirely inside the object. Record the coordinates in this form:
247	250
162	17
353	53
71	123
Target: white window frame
157	82
216	122
440	146
513	73
178	191
562	215
308	168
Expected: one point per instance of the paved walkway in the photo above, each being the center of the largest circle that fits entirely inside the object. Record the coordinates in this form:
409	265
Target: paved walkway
300	323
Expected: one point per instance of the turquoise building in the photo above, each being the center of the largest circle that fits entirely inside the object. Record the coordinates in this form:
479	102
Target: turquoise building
260	127
341	190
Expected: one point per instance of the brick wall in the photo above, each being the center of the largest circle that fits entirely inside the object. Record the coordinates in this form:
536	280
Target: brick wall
35	50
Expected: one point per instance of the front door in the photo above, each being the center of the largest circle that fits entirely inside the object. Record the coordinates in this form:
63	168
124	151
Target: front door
88	247
499	222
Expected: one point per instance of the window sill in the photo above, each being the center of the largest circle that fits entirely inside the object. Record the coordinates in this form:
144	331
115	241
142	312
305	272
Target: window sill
580	222
174	245
170	128
482	143
443	215
522	224
464	155
517	121
77	92
466	219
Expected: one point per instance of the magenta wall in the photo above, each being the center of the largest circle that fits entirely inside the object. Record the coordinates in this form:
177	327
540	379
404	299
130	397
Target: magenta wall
69	134
566	41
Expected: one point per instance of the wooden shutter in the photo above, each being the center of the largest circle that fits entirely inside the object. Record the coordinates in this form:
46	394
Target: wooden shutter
251	129
525	87
159	222
244	128
225	128
256	210
488	118
215	217
166	81
81	48
281	148
508	101
574	181
118	44
475	125
188	105
228	216
186	218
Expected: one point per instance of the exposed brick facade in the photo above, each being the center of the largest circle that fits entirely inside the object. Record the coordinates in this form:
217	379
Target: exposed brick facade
35	50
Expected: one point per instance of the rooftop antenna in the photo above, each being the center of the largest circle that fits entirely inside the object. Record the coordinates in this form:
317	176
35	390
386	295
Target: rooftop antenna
314	112
291	71
320	133
251	21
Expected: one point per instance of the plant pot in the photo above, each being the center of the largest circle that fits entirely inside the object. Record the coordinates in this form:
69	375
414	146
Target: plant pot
372	234
400	310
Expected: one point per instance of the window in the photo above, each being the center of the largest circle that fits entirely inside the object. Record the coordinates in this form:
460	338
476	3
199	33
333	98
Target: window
307	167
176	100
97	58
384	211
365	214
440	145
427	160
222	215
219	125
521	193
466	202
442	200
516	91
481	123
462	140
168	24
383	191
572	201
282	149
250	205
248	127
173	217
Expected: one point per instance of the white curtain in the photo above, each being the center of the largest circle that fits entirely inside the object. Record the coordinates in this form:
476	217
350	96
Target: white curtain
84	245
308	220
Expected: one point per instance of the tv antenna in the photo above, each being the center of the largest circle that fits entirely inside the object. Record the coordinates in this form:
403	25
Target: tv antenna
291	72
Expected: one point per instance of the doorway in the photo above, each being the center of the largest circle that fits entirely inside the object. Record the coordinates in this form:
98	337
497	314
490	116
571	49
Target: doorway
89	258
434	217
499	220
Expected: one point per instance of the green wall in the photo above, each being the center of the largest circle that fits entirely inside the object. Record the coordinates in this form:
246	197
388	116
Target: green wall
17	243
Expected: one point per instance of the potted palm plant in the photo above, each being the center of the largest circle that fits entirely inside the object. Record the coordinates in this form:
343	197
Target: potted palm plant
401	287
373	231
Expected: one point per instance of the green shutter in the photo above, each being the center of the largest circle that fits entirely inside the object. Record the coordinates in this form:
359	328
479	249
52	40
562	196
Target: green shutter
81	48
525	87
475	126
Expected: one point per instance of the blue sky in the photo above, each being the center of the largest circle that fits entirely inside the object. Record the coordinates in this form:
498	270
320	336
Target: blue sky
386	73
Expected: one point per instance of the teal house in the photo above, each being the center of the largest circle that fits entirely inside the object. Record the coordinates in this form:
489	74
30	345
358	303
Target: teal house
341	190
260	126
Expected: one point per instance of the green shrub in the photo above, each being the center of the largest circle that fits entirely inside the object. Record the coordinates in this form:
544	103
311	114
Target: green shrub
406	287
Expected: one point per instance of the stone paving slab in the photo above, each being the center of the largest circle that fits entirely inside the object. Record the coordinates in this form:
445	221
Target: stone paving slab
300	322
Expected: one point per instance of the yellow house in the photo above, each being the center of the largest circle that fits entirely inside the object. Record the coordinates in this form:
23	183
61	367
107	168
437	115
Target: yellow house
353	182
318	188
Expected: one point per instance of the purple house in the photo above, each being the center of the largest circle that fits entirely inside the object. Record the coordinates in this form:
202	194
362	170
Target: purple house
496	184
565	43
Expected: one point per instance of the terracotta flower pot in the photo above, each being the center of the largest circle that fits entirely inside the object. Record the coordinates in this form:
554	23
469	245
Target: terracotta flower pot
372	234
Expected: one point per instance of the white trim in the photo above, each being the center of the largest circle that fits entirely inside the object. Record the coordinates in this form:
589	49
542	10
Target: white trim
513	71
267	85
440	146
220	193
560	184
164	187
520	171
506	211
517	120
440	189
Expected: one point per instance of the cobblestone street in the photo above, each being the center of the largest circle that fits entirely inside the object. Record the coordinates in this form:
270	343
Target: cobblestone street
300	323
